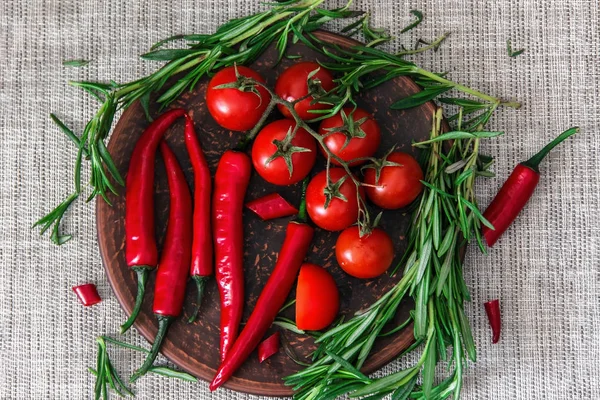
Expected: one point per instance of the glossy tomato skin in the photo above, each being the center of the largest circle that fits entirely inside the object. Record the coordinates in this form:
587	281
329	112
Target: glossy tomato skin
317	298
398	186
357	147
364	257
234	109
276	171
339	214
292	84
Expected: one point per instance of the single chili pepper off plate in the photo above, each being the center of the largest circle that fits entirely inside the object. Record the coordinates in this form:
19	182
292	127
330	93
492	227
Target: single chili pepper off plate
195	347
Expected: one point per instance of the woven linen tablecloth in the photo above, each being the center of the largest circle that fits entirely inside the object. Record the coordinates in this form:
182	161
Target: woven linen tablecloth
545	269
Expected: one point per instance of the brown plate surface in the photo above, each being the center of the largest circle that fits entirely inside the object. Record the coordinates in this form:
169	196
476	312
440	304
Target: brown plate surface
194	347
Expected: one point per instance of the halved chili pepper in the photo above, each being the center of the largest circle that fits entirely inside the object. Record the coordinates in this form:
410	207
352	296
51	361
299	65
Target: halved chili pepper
87	294
202	252
231	181
140	244
516	192
297	241
268	347
271	206
492	309
174	265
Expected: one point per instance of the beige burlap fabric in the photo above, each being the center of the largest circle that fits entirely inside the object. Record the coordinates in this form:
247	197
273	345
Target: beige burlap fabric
545	270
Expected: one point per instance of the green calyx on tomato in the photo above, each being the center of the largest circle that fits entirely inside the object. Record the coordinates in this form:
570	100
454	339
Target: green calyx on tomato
378	164
350	128
332	191
352	135
242	83
285	149
282	153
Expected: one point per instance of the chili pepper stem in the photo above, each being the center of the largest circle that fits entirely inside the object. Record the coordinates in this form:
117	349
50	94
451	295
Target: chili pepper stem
535	161
302	208
142	272
163	325
200	285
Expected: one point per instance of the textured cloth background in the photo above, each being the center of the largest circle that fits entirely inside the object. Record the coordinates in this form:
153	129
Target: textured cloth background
545	269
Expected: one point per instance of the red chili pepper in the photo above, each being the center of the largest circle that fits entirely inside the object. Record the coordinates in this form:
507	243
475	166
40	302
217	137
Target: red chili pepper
231	181
140	243
174	265
295	246
202	251
87	294
516	192
268	347
492	309
271	206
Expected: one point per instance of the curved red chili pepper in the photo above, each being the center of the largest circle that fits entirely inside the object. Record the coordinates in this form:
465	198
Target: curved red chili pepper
516	192
295	246
231	181
141	253
202	251
174	265
271	206
492	309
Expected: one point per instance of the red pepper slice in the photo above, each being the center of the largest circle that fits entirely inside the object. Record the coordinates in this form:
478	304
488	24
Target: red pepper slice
174	265
140	243
516	192
231	181
268	347
492	309
87	294
271	206
202	248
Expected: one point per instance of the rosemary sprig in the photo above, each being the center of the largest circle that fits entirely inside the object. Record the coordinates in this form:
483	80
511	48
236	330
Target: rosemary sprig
445	220
240	41
107	376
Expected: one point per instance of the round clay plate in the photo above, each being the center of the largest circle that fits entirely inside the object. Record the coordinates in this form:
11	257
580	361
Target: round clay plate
195	347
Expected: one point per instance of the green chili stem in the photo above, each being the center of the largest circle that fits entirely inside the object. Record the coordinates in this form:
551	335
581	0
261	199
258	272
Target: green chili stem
535	161
163	325
142	272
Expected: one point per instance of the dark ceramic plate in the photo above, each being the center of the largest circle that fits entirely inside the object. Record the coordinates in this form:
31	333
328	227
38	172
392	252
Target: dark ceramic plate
194	347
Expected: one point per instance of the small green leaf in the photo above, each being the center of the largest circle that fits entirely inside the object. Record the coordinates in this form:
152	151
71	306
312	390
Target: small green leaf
173	373
168	54
511	52
419	16
75	63
420	98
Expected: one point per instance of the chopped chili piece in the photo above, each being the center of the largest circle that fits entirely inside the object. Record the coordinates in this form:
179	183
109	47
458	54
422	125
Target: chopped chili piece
268	347
87	294
271	206
492	309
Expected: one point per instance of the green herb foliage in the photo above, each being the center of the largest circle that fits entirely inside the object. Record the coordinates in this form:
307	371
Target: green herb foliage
241	41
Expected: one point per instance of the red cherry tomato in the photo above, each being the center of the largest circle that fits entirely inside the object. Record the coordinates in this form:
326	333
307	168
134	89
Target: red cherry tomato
338	214
271	141
398	186
364	257
232	108
293	84
317	298
357	147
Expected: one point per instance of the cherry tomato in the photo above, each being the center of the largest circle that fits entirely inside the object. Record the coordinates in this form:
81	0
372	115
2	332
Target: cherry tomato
364	137
364	257
299	154
293	83
317	298
232	108
398	186
339	213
